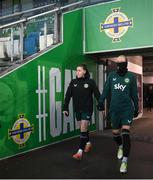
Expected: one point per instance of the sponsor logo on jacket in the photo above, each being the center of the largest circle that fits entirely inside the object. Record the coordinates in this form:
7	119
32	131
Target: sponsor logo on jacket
119	86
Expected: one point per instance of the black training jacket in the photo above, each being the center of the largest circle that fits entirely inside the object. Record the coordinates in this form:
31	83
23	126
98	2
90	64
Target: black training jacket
81	91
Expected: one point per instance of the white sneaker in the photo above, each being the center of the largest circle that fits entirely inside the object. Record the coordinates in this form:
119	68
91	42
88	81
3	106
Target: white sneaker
120	153
123	168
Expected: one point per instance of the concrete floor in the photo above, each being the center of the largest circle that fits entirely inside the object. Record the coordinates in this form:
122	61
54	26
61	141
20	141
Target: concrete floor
144	125
56	160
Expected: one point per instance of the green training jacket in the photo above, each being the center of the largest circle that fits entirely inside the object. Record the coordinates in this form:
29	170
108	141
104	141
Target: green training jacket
123	91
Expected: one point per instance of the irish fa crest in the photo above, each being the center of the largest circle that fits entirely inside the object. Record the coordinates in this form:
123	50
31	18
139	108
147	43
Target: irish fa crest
127	80
86	85
116	25
20	131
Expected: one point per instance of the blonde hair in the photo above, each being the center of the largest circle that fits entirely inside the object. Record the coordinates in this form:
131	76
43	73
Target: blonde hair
122	57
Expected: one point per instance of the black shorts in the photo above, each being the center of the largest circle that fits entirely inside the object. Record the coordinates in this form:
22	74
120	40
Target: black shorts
121	118
83	116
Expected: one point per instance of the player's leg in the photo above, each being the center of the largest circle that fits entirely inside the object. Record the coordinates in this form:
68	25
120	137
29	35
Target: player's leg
115	122
117	138
78	155
127	119
87	116
84	137
126	147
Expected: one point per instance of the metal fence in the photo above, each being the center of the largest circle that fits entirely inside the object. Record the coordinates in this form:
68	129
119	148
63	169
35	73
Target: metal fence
28	36
31	32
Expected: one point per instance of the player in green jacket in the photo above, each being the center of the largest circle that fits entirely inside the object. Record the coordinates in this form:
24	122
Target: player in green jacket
122	87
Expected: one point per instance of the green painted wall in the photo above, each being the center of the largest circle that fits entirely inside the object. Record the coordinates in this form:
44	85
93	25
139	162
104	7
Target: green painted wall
138	35
18	92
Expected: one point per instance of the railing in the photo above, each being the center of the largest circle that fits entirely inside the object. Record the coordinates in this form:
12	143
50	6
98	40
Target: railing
31	33
19	40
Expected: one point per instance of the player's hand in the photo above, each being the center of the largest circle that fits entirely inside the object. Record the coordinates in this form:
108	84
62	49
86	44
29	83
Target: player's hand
136	113
66	113
100	107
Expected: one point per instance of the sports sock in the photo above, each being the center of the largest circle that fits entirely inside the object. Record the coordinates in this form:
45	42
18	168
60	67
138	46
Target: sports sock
126	142
83	140
117	138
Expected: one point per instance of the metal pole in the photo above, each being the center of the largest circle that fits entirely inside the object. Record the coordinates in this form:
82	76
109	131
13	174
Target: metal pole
45	34
54	10
42	14
27	11
21	41
105	77
55	35
100	85
12	45
14	23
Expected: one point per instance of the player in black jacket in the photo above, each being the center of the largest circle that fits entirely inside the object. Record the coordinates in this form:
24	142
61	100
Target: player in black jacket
81	90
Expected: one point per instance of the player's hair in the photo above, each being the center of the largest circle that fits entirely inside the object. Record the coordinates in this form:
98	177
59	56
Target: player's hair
123	56
84	67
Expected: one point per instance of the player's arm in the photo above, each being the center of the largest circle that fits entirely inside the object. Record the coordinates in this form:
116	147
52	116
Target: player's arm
68	96
134	95
95	90
106	92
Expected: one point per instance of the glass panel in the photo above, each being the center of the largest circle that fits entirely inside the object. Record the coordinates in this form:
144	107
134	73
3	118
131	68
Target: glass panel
9	45
5	47
16	43
6	7
16	6
38	34
26	4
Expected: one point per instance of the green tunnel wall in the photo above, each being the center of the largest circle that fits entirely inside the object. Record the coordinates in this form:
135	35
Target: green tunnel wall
18	92
134	27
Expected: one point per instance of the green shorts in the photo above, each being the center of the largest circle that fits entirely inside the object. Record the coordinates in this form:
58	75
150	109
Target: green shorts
118	119
83	116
